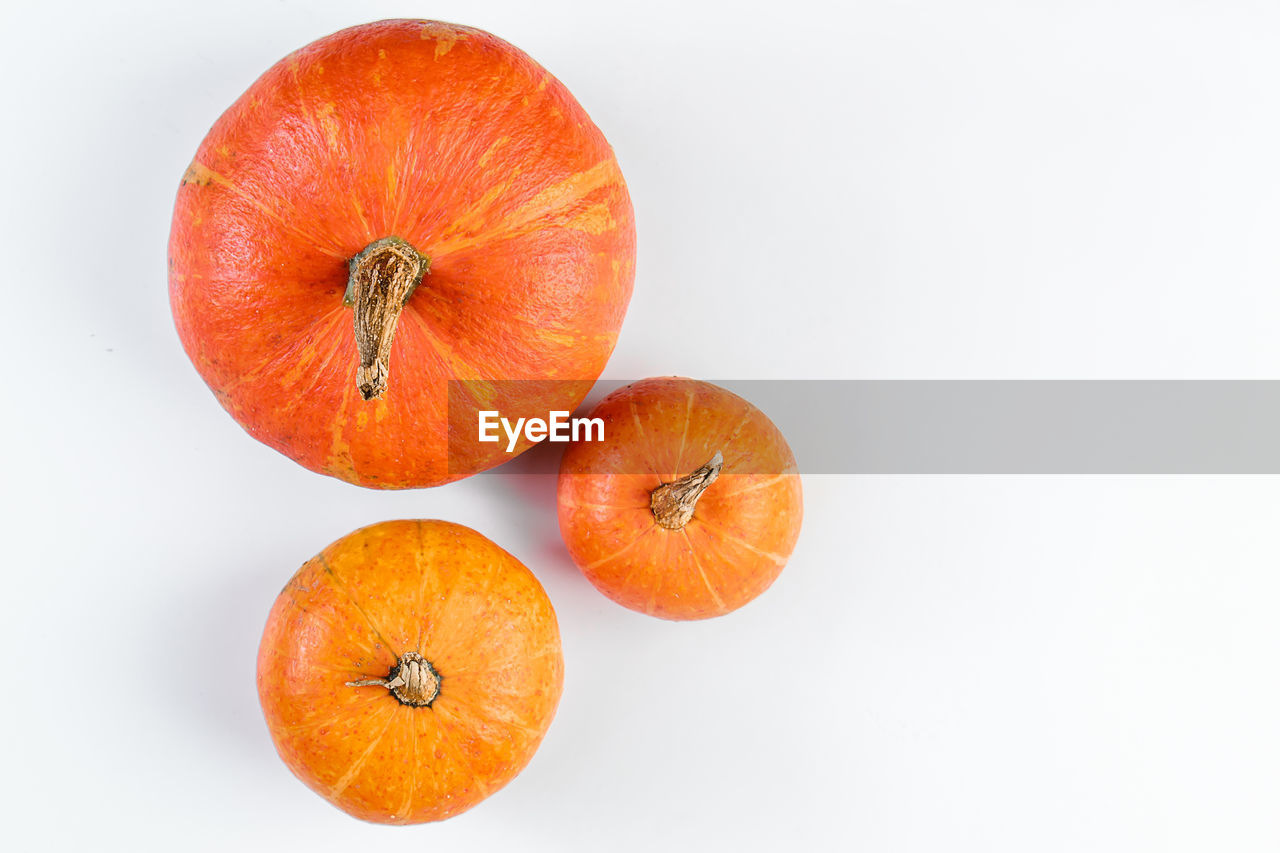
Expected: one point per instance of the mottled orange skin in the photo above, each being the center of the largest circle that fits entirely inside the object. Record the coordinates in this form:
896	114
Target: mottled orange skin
467	606
446	137
744	525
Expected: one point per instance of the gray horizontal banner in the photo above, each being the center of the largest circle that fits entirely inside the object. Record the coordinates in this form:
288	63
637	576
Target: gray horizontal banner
1011	427
1027	427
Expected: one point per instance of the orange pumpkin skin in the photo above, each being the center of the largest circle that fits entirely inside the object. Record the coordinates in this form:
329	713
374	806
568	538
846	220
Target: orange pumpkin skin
744	525
446	137
471	609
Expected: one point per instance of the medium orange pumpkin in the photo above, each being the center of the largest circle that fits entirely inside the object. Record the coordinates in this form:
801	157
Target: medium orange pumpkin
690	506
410	670
391	207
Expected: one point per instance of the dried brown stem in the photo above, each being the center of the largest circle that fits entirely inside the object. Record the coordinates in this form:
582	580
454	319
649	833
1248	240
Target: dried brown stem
413	680
673	503
382	279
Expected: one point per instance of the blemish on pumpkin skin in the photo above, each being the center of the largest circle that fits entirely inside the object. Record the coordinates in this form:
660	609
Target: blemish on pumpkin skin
444	44
200	175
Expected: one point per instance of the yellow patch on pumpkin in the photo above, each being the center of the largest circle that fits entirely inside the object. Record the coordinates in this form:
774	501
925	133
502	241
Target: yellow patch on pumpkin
558	338
201	175
329	123
489	152
444	44
595	219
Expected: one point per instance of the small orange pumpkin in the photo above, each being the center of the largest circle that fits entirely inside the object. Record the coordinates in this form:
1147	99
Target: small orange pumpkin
410	670
690	506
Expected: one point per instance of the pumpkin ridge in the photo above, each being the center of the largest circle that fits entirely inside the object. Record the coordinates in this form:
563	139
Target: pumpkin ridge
512	662
298	728
697	564
499	714
359	212
324	247
401	163
449	359
754	487
439	289
428	573
729	442
370	649
684	434
473	217
407	806
336	345
719	531
419	341
442	614
642	440
635	566
342	587
303	97
445	717
503	328
316	330
339	456
335	670
590	505
616	554
346	779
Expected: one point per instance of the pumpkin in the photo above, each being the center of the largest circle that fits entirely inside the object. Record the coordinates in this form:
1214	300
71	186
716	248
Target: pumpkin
689	507
392	207
409	670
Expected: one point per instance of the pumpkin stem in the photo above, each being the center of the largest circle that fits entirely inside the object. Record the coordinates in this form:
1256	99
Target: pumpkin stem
672	503
383	277
413	680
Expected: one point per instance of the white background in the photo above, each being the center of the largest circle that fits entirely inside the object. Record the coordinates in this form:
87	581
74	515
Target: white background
864	190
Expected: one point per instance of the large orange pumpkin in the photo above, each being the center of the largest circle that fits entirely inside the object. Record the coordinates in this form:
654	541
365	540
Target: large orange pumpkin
410	670
391	207
690	506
